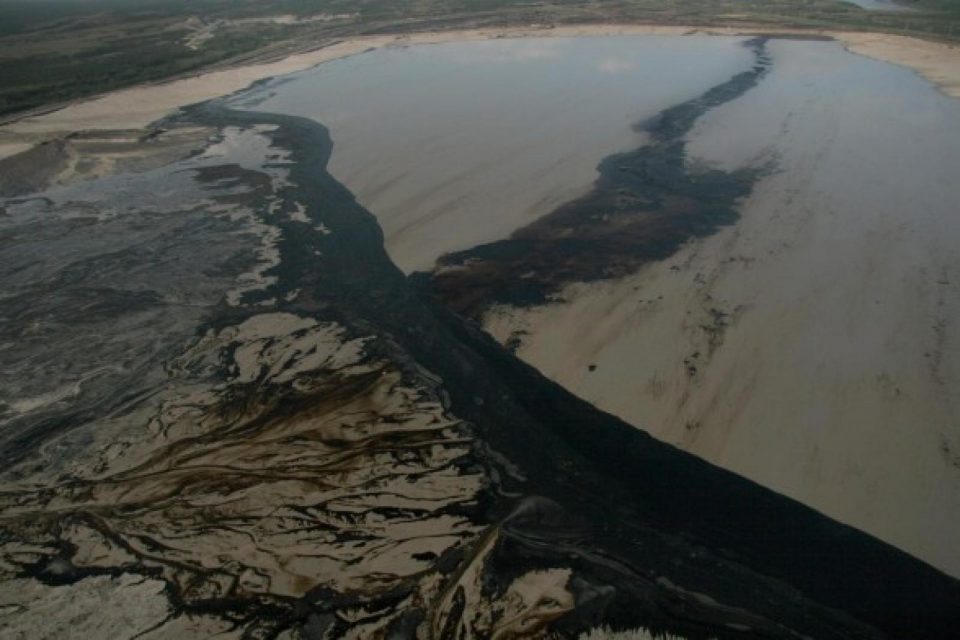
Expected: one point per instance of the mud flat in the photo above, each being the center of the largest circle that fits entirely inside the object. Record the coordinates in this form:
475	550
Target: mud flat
879	5
139	106
811	346
304	446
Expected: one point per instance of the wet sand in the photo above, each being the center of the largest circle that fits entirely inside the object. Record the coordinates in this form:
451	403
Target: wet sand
8	149
937	62
821	328
879	5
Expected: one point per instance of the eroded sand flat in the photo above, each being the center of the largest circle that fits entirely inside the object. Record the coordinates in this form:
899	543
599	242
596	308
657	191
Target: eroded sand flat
457	144
812	346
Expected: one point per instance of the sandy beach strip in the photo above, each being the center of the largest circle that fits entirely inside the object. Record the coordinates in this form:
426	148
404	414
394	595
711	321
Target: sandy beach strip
136	107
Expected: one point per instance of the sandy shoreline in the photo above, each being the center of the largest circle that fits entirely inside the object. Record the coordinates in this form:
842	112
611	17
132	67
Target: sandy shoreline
136	107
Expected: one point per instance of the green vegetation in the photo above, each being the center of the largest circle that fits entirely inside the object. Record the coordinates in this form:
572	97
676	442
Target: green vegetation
52	51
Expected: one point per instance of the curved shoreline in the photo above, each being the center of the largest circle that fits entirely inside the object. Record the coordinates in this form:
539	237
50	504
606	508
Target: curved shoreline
138	106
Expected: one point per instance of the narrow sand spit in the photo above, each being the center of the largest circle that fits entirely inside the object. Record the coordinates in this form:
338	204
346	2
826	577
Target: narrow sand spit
137	107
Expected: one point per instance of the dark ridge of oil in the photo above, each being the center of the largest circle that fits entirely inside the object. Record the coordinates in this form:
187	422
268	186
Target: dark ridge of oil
643	207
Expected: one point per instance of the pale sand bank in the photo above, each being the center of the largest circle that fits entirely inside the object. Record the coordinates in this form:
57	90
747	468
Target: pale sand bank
137	107
813	346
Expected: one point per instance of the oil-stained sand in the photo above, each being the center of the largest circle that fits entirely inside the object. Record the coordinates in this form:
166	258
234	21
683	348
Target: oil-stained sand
812	346
644	205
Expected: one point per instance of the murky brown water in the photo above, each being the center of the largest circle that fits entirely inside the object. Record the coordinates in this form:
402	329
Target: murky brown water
453	145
